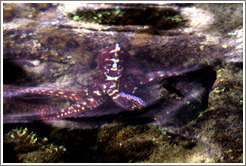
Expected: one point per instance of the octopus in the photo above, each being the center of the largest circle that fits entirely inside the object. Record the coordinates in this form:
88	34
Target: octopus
116	83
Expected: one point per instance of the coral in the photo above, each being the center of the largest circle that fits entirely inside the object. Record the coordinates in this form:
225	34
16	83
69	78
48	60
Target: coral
48	154
23	140
29	148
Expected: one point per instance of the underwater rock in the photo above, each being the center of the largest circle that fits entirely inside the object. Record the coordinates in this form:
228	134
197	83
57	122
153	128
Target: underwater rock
52	46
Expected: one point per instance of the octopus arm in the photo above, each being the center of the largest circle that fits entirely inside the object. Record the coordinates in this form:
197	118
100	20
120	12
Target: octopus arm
77	109
25	97
163	74
17	91
128	101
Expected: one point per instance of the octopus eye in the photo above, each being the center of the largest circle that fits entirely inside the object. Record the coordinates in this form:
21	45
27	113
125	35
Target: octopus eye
109	65
120	67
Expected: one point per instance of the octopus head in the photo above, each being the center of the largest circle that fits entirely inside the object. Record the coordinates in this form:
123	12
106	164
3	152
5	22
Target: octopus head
112	61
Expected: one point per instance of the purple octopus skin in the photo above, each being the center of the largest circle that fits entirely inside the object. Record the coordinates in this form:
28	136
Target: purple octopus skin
111	83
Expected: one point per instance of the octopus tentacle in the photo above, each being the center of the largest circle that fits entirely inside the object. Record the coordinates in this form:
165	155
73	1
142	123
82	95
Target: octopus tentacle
54	113
157	75
85	100
128	101
15	91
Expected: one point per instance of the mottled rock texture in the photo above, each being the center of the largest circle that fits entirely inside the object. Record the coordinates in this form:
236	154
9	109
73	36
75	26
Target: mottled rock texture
56	45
